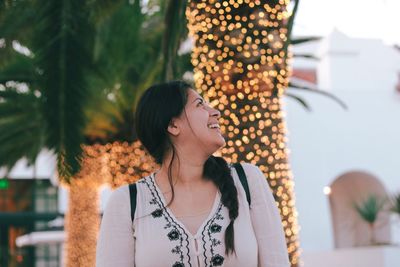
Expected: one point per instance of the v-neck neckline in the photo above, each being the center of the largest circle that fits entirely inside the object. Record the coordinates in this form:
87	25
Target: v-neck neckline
169	211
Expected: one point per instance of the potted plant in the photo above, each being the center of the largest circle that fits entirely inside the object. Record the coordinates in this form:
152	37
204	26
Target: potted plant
369	210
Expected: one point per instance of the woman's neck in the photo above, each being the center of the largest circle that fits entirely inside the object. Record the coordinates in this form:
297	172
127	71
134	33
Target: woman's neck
186	172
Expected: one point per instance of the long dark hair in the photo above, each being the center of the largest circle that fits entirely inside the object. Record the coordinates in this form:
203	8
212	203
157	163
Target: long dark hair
158	105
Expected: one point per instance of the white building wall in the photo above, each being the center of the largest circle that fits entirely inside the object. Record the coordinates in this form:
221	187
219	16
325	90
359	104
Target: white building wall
356	64
43	168
329	141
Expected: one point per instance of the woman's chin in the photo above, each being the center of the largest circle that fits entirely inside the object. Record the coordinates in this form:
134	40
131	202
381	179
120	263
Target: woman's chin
221	143
216	145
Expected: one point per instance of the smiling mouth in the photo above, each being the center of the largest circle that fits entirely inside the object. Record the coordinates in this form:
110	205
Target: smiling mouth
213	126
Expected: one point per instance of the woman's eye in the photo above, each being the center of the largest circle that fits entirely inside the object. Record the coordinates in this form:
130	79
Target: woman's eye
200	103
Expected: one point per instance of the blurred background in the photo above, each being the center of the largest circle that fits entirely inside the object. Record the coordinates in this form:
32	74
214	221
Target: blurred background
315	103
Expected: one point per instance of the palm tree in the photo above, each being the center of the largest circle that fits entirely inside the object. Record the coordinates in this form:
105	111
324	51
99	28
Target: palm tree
241	63
59	45
38	74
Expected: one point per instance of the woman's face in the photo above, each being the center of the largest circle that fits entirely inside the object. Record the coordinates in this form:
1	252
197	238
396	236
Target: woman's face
199	125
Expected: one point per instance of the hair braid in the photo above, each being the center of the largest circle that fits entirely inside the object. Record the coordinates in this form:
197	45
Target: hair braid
217	170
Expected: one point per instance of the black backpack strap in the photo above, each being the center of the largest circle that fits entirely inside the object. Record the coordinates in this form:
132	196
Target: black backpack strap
243	180
132	195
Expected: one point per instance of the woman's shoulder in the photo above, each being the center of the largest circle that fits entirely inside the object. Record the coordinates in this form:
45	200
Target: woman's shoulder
252	171
144	179
249	167
120	198
255	178
120	194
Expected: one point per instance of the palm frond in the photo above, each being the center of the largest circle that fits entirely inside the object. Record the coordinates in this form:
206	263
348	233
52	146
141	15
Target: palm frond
290	23
109	53
101	10
307	56
16	20
299	100
174	33
183	64
297	41
130	67
21	127
63	55
324	93
19	69
121	54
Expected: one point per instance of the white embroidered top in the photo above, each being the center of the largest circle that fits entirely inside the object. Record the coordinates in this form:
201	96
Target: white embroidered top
157	238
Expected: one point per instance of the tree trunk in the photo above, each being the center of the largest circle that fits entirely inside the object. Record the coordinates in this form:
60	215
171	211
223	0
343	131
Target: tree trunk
241	65
82	225
114	164
82	219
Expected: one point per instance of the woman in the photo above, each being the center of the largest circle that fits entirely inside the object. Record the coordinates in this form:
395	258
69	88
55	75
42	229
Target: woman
193	211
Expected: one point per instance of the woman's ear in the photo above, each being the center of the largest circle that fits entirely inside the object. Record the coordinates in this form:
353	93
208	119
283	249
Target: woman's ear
173	127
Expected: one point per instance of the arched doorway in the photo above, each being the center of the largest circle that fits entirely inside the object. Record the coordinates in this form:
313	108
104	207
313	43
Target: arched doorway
348	228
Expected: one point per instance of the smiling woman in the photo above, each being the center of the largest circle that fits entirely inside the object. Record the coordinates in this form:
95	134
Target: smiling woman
193	211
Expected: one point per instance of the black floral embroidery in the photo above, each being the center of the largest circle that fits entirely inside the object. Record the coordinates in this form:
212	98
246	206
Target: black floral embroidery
215	228
177	234
175	231
157	213
219	216
168	225
177	250
173	235
212	227
217	260
215	242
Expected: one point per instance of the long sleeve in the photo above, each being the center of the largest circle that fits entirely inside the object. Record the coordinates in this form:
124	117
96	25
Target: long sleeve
115	245
272	249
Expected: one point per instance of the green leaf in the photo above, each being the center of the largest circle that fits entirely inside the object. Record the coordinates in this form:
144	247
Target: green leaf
20	68
63	41
104	51
102	9
129	47
21	127
16	20
369	209
175	32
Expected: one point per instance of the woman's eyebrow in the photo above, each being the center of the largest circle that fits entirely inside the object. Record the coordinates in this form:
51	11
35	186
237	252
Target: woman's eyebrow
201	99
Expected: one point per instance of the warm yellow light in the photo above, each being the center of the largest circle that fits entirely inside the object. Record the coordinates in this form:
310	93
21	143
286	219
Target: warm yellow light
327	190
239	61
110	165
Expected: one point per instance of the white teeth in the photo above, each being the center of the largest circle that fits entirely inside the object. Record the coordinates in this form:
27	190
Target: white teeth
213	126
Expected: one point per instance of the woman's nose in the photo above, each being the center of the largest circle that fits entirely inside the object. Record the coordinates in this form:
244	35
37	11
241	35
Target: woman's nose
215	113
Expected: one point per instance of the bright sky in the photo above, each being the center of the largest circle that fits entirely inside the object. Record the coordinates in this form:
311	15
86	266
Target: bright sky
356	18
